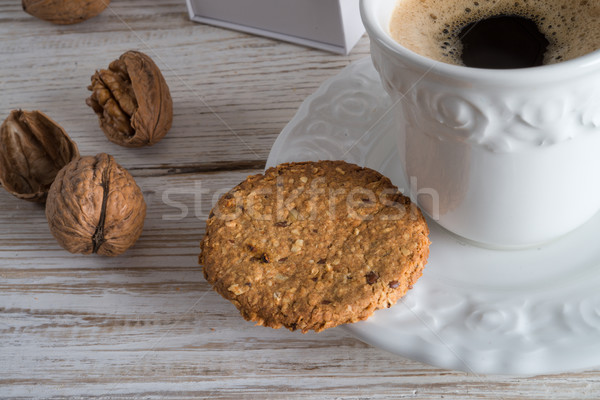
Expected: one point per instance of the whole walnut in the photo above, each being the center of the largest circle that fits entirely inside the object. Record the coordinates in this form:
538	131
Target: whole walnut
132	101
64	12
33	148
95	206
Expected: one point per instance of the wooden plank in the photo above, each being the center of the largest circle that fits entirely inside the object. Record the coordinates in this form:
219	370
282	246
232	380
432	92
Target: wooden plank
232	92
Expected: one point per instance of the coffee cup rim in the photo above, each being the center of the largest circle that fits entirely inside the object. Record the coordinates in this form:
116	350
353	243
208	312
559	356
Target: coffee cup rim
574	67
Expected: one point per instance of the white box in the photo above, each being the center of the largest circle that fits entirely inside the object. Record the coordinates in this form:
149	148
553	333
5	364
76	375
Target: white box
332	25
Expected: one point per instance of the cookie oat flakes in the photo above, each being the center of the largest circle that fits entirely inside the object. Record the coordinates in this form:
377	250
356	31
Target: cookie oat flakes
313	245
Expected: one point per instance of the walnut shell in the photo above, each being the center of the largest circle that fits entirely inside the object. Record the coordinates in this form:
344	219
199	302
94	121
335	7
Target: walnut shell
33	148
64	12
95	206
132	101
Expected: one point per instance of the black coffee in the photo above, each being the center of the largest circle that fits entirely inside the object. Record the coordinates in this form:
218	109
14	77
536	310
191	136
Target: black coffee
498	33
502	42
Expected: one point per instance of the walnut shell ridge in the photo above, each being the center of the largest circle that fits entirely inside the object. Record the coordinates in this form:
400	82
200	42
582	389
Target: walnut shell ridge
132	101
64	12
95	206
33	149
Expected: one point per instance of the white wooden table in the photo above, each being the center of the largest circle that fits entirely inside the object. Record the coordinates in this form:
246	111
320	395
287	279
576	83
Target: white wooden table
146	324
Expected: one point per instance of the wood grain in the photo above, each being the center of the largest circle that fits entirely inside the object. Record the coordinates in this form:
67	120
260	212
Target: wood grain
147	325
232	92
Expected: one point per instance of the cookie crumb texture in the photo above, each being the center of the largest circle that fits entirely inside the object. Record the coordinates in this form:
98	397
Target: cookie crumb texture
313	245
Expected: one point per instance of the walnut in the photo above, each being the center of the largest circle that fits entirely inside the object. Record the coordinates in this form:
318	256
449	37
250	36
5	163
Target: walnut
64	12
132	101
95	206
33	148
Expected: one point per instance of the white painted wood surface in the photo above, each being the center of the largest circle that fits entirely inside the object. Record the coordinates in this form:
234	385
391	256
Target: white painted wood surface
146	324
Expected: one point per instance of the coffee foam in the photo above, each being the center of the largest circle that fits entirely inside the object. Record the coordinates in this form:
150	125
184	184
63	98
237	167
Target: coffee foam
431	27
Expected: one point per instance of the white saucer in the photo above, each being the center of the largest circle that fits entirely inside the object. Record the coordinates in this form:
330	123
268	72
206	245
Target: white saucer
522	312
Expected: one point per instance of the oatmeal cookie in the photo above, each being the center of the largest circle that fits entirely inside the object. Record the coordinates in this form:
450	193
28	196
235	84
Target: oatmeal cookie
313	245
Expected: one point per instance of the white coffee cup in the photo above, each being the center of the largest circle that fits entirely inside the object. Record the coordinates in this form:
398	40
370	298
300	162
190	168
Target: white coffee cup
507	158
